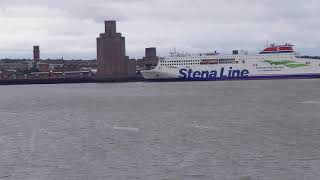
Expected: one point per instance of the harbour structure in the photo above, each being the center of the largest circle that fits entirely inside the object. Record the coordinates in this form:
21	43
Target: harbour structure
275	61
111	54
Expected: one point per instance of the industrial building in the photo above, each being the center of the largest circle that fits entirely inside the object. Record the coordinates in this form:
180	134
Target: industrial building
36	53
111	54
150	60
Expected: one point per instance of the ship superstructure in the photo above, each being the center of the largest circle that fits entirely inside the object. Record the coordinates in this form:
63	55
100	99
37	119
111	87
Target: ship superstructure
275	61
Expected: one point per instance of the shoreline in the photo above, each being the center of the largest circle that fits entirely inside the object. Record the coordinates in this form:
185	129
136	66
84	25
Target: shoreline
69	81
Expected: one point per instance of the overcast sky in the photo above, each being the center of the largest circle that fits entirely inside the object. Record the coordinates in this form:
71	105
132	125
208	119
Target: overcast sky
69	27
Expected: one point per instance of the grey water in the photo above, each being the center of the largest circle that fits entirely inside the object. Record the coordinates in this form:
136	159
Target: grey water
259	130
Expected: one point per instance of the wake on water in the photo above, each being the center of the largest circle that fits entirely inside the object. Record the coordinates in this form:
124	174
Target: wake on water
310	102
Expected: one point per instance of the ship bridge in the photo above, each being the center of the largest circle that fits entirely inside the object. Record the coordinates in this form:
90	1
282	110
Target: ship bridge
287	48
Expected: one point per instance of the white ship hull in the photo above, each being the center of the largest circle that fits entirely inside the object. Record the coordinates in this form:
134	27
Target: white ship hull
273	65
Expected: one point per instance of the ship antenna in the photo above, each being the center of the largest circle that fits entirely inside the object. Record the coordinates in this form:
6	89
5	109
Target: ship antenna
174	52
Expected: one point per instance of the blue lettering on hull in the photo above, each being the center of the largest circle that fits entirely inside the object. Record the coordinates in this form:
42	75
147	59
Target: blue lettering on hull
230	73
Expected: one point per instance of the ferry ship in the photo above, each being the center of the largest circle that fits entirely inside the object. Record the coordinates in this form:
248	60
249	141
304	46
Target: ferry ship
274	62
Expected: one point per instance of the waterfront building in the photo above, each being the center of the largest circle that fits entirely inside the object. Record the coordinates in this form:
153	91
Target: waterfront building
150	60
36	53
111	54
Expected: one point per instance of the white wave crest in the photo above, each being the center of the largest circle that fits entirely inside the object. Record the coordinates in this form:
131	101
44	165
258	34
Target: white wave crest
126	129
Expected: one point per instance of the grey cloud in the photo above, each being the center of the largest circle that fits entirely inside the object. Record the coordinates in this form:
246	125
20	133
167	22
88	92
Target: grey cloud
190	25
97	10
